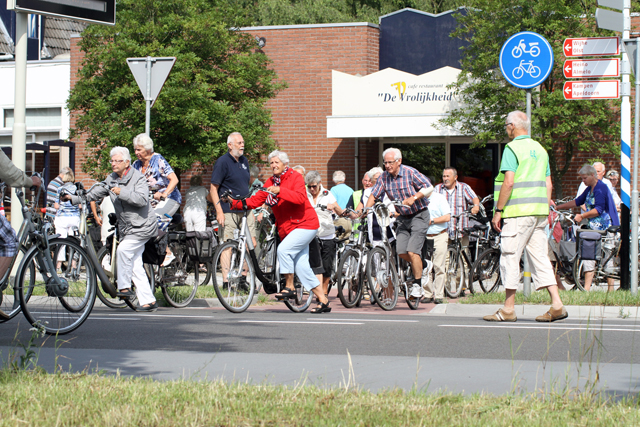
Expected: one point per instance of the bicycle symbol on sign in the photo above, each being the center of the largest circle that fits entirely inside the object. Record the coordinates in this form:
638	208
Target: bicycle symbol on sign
534	50
526	67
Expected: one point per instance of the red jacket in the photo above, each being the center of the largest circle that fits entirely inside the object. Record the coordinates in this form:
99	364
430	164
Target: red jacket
293	209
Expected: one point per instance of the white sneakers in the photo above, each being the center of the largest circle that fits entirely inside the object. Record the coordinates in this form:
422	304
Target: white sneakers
167	259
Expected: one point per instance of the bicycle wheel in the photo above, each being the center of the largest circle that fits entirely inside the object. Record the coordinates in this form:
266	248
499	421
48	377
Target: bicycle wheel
9	300
234	283
180	280
454	280
104	258
383	283
486	270
58	307
302	300
349	278
599	279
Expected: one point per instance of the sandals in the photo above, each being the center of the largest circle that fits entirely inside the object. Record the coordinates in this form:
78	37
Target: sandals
322	308
286	293
125	293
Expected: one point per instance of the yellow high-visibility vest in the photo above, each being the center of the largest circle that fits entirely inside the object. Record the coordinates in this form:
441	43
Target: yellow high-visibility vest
529	194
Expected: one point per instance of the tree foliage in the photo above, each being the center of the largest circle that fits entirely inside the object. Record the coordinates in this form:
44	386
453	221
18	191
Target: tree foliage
562	127
291	12
219	84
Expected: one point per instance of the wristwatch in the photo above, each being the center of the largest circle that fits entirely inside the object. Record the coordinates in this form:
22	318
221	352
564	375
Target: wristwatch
499	210
415	198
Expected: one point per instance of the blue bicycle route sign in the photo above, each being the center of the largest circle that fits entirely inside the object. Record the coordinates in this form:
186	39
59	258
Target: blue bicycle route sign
526	59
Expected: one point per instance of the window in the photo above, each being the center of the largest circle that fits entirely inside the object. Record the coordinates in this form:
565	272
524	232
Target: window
36	117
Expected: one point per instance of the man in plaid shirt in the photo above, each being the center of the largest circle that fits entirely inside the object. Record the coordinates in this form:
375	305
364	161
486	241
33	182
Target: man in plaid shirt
460	196
406	185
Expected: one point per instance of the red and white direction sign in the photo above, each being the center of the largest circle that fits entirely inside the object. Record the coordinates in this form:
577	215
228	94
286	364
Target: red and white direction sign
581	68
591	46
592	89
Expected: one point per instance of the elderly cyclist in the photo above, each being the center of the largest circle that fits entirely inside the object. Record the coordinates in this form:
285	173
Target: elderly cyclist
137	223
600	211
297	224
406	185
325	205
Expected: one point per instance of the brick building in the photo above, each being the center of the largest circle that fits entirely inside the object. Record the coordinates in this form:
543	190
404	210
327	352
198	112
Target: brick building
315	123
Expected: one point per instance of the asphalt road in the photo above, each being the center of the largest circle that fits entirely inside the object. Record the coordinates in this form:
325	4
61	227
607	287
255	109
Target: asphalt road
370	349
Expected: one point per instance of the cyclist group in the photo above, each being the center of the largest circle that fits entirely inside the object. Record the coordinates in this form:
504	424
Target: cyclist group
304	211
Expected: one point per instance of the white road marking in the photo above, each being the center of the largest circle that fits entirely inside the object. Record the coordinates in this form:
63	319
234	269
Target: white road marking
542	327
299	322
113	318
370	320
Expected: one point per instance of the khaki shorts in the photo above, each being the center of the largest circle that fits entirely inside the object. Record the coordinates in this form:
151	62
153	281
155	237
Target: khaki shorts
527	234
232	222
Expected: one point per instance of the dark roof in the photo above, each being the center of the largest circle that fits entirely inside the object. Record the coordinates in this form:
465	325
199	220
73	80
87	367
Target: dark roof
57	34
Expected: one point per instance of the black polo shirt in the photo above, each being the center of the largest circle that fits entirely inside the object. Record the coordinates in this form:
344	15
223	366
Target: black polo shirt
231	174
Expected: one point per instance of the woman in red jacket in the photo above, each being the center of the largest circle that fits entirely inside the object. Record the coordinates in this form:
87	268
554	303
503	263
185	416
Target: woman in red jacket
297	224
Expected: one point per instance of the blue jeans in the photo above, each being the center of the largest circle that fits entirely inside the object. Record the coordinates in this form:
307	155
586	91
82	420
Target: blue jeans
293	255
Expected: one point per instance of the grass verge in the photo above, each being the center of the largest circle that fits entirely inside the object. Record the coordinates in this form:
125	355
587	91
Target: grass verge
36	398
616	299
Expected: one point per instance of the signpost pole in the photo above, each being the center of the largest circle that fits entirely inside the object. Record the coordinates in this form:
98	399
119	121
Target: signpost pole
526	282
634	193
625	152
19	140
147	125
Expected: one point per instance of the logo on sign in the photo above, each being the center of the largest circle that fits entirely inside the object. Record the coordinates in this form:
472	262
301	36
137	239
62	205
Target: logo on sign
526	59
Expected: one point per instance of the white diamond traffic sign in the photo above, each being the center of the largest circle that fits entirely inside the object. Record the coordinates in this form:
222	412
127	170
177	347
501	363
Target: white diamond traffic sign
591	46
581	68
592	89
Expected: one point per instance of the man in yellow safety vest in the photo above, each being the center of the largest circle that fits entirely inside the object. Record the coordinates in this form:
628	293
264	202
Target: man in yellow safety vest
522	196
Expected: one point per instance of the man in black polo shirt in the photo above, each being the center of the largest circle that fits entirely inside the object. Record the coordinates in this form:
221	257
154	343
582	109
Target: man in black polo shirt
231	172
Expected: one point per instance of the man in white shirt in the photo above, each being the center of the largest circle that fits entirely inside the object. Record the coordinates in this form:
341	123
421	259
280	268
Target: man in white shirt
440	214
600	170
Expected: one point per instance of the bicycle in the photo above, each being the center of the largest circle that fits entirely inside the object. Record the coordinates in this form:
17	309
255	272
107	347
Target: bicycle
608	266
57	304
386	271
350	273
235	260
457	257
104	260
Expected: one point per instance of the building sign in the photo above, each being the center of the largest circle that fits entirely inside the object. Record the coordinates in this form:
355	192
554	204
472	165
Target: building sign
391	103
394	92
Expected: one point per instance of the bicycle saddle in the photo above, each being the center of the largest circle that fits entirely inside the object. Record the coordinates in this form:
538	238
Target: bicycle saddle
613	229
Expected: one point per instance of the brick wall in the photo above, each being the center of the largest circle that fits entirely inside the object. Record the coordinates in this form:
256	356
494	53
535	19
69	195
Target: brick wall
304	58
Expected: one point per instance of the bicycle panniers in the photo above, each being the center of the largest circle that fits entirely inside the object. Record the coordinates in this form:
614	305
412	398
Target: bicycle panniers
590	245
201	245
156	249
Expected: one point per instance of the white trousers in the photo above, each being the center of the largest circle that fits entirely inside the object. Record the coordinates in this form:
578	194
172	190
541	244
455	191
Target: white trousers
64	225
195	220
130	267
435	289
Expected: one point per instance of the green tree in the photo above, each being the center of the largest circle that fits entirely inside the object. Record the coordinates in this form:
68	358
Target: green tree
219	84
291	12
562	127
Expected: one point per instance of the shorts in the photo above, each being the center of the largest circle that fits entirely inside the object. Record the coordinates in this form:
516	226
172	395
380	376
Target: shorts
232	222
328	253
315	256
525	233
412	232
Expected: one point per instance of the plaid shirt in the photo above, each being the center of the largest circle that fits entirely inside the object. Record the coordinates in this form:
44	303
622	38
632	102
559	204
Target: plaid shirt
406	184
459	201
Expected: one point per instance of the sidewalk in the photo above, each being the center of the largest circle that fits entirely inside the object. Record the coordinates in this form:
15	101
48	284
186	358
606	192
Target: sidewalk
531	311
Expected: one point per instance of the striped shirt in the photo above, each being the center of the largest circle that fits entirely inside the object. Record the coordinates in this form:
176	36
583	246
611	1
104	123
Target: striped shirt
459	200
404	185
52	195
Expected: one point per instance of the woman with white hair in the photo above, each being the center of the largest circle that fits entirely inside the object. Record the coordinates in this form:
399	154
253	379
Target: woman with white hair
161	179
297	224
137	223
600	212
